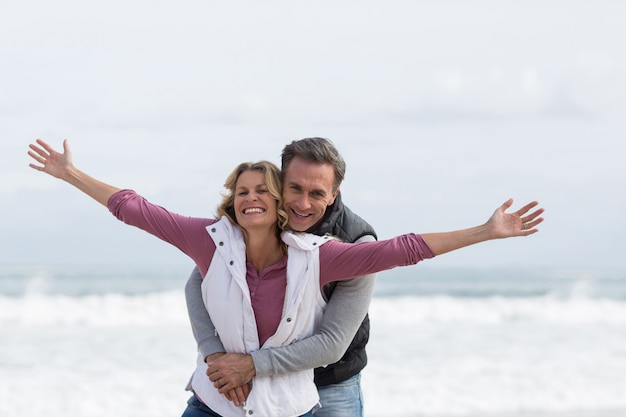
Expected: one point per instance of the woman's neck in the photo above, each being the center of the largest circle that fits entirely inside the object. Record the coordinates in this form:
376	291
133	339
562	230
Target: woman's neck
263	249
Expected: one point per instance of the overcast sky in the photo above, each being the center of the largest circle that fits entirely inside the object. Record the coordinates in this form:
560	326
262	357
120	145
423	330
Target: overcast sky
442	110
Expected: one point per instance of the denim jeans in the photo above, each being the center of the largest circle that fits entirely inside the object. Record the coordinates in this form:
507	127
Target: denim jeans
196	408
343	399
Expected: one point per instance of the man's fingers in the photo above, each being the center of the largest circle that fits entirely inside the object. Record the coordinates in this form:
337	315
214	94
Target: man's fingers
223	386
231	397
239	396
213	376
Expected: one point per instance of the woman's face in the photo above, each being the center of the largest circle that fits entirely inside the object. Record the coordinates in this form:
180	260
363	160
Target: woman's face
254	205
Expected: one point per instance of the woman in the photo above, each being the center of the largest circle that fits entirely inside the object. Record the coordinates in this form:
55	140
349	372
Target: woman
246	245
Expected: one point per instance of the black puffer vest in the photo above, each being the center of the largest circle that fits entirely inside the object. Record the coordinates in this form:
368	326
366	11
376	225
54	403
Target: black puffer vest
341	222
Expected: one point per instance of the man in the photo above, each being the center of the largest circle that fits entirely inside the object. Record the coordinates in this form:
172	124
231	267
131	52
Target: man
312	171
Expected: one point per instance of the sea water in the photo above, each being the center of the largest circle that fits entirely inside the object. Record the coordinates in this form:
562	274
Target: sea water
444	342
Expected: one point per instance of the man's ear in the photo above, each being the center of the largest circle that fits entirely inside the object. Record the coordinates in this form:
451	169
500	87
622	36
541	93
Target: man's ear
332	200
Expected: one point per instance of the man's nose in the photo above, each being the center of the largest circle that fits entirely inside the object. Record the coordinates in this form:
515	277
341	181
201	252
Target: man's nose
303	202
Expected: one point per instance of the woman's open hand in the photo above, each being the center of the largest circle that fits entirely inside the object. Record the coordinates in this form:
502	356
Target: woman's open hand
519	223
50	161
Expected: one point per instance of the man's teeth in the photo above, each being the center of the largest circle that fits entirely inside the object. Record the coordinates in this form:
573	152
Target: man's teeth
253	210
300	214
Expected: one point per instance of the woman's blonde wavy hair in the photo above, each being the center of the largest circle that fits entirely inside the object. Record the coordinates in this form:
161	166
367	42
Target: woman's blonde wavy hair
273	181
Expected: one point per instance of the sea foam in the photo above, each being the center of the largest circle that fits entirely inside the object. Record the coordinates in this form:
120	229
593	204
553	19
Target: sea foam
169	307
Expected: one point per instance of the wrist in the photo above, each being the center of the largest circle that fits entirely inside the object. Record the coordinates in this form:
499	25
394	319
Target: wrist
262	363
251	367
70	174
213	356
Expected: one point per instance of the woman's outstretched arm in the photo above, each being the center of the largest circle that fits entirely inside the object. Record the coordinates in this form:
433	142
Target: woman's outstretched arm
499	226
60	165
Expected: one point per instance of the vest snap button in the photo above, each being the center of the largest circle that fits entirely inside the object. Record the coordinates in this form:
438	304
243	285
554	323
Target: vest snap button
232	262
221	243
213	229
288	319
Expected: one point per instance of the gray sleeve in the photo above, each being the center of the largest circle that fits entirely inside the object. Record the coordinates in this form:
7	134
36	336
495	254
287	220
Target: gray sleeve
201	324
342	317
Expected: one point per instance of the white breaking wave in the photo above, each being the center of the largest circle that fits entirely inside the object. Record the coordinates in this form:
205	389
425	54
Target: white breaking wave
169	308
95	310
544	309
430	356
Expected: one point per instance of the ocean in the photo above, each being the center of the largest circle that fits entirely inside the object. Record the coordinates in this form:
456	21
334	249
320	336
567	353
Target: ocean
445	342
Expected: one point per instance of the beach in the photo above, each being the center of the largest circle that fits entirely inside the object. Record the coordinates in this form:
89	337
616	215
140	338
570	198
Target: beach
444	343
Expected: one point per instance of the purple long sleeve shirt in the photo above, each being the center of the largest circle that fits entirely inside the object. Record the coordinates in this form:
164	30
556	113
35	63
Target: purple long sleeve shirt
338	260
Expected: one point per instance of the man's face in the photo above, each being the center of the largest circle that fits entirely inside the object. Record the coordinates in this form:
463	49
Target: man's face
307	191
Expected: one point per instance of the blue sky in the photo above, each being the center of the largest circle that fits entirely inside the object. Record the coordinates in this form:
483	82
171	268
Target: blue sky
442	110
